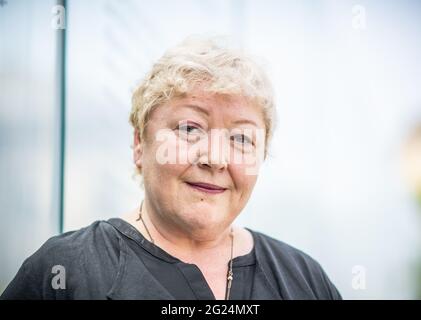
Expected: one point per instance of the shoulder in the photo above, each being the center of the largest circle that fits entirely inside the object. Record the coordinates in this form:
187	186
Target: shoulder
76	255
282	250
294	270
70	245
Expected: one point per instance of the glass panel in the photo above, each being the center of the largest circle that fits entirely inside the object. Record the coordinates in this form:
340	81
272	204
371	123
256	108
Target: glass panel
347	81
29	126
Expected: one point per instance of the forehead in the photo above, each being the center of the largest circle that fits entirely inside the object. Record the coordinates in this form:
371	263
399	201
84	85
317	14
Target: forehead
211	105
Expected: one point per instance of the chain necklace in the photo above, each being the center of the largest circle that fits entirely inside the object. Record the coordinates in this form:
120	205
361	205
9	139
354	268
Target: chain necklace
230	275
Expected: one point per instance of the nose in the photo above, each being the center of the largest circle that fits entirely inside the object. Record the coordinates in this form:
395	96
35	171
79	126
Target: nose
215	153
207	162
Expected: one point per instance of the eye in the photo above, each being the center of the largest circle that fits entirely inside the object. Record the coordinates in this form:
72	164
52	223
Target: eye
242	139
187	128
189	131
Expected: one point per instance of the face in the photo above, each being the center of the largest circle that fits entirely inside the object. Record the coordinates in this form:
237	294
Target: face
196	157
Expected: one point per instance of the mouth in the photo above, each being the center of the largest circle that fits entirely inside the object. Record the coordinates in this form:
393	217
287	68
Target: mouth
206	187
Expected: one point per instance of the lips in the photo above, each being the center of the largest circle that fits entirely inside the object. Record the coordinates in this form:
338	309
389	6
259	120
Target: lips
206	187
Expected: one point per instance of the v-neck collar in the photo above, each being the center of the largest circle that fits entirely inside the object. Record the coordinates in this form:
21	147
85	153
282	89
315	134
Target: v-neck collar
131	232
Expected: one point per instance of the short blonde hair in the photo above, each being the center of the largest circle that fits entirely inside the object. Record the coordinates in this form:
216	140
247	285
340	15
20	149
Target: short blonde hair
197	60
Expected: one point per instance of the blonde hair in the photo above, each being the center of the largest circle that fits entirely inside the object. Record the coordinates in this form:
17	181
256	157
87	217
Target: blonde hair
197	60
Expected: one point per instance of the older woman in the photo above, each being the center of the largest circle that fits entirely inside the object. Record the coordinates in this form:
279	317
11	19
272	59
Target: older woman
202	118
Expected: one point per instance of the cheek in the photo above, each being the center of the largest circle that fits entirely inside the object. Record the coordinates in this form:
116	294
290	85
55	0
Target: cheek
245	165
165	160
243	181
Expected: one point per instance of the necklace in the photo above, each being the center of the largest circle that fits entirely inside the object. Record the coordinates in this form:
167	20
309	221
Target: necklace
230	275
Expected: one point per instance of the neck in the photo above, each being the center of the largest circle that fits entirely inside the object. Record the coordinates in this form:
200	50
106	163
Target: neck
187	243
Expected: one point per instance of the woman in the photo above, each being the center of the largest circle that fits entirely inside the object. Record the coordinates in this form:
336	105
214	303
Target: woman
202	118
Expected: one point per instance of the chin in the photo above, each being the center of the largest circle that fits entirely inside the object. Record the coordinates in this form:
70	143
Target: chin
205	219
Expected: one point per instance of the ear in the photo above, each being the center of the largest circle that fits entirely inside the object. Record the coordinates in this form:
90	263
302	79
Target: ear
137	150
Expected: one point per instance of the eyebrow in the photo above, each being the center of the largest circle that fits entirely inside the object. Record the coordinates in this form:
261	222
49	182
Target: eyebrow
206	112
246	121
197	108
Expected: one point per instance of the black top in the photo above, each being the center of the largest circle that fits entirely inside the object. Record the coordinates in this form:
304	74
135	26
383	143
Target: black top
112	260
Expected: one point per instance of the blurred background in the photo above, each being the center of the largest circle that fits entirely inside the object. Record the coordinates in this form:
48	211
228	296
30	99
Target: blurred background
342	181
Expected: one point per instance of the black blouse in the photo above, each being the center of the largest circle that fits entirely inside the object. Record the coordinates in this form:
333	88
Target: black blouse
113	260
184	280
